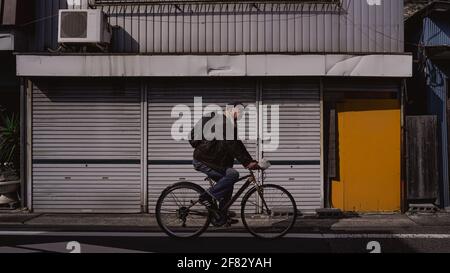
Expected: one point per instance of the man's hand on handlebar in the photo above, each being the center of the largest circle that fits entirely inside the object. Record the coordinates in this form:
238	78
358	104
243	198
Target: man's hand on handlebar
253	166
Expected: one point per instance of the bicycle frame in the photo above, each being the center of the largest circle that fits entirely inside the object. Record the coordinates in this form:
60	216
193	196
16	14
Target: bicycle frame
213	214
250	179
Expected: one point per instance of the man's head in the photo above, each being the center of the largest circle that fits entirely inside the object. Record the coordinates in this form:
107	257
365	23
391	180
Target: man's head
235	110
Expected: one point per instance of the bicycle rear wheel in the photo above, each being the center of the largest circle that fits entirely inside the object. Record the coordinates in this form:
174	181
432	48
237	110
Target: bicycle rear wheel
179	214
268	211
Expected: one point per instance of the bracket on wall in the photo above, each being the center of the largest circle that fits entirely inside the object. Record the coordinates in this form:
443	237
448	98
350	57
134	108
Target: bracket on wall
224	7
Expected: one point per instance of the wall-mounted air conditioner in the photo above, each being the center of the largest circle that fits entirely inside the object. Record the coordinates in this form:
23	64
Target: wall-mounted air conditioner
83	26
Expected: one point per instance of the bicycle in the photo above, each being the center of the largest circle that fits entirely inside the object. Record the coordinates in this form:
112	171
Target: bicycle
180	214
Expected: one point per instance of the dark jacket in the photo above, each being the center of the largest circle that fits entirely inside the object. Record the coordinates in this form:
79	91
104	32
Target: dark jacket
218	154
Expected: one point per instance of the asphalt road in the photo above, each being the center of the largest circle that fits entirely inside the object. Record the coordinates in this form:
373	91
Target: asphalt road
135	242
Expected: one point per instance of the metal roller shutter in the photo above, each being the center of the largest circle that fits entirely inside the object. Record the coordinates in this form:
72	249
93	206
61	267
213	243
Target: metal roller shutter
86	146
296	162
170	161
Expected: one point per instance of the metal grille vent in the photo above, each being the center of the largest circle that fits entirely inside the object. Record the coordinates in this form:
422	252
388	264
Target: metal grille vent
74	24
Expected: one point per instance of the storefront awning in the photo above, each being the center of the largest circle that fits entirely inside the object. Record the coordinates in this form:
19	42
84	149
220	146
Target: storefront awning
212	65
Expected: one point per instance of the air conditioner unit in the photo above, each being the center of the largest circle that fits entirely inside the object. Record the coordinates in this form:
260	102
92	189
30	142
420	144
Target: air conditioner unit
83	26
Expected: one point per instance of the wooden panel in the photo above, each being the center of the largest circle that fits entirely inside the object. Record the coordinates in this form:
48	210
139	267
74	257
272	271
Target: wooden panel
421	153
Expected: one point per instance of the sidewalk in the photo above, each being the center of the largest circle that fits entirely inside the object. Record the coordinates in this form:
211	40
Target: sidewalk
362	223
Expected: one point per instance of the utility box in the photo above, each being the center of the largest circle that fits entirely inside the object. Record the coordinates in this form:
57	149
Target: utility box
83	26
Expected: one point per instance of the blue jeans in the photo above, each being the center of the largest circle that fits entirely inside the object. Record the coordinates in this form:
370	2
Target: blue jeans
225	180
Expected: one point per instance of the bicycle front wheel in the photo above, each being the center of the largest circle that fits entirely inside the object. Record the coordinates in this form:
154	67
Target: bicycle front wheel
268	211
178	212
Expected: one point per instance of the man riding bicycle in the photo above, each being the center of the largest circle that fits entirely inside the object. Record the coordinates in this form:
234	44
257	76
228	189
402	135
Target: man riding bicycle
216	144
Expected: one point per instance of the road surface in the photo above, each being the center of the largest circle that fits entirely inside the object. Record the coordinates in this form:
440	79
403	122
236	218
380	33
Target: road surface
19	241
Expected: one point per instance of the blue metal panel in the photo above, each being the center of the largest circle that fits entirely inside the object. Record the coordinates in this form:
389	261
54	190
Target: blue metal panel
437	104
436	31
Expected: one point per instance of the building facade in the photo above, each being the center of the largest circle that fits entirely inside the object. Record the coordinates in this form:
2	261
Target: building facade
428	37
100	124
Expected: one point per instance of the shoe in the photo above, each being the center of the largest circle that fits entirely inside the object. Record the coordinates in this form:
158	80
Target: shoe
222	220
219	220
207	201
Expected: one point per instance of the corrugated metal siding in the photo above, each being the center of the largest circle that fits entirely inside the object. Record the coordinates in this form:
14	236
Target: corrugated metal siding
436	31
297	165
243	27
296	162
86	146
437	105
170	161
87	140
432	30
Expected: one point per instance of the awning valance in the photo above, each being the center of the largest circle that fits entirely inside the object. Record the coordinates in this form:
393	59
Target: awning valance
214	65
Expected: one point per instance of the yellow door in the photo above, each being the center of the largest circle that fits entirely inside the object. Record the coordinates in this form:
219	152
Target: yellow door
369	156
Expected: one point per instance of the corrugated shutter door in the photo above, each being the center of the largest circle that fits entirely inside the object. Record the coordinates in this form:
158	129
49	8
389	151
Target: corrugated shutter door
86	146
170	161
296	161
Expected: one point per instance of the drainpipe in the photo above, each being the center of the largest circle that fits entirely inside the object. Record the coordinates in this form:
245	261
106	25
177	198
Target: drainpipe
446	186
403	185
23	143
